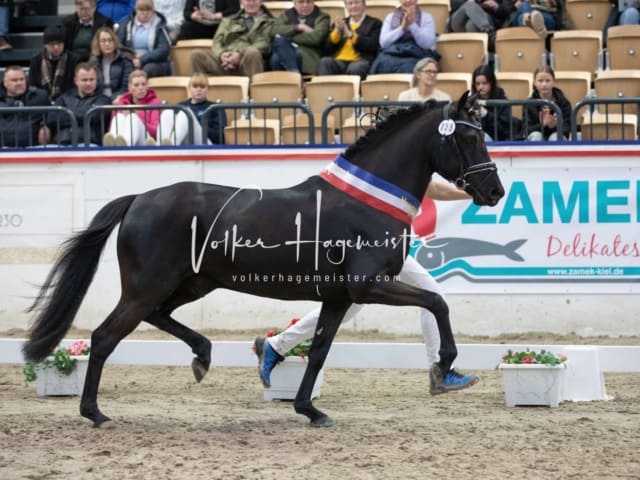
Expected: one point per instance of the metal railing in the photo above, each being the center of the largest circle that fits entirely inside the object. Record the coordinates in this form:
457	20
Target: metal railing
36	117
601	107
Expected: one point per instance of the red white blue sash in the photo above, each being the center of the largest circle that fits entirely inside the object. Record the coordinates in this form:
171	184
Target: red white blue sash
371	190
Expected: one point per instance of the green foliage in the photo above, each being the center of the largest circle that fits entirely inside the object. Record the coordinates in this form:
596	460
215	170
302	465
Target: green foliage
62	361
543	357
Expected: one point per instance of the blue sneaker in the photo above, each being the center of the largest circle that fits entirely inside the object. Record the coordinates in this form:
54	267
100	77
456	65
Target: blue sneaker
268	358
453	380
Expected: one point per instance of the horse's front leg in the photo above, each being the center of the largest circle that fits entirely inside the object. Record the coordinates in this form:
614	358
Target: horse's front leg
331	316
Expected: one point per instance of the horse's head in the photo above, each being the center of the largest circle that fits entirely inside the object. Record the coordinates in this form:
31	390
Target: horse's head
463	157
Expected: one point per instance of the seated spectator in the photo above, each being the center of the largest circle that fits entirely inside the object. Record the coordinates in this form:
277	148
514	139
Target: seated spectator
80	100
408	34
202	17
144	32
241	45
80	27
5	14
52	70
116	10
21	129
113	63
540	122
496	121
174	126
299	36
139	127
353	42
172	11
425	80
541	15
480	16
622	13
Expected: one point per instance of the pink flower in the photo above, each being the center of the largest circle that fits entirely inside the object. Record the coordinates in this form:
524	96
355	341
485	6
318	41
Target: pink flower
78	348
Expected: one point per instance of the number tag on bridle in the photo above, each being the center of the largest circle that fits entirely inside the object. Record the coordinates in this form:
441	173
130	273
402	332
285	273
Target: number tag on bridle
447	127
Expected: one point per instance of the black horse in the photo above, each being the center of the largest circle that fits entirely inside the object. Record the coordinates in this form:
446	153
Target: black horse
338	238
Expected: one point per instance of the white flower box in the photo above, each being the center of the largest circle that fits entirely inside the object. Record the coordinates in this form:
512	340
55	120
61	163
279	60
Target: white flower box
50	382
286	378
533	384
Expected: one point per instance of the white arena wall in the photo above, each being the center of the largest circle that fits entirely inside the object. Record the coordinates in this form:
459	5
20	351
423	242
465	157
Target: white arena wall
47	194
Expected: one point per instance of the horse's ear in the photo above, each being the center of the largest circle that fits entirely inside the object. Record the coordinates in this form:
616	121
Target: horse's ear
467	102
462	102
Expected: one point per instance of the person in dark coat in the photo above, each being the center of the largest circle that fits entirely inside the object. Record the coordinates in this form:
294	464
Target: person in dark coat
52	69
352	43
80	27
541	123
202	17
79	100
20	129
113	63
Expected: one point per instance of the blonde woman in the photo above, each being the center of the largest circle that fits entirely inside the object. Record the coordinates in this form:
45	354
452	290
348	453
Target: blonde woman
425	78
134	127
174	125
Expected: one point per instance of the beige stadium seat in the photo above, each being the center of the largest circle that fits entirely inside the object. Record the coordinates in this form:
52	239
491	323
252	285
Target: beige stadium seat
381	8
587	14
277	86
170	89
229	89
277	7
577	50
516	86
295	129
323	90
353	128
439	10
455	84
576	86
462	52
333	8
385	86
180	54
613	126
261	131
617	84
623	47
519	49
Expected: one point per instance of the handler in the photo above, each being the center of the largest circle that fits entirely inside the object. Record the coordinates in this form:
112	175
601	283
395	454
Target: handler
271	351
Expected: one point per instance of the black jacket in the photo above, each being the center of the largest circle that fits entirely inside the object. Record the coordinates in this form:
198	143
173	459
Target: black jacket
35	72
532	115
367	43
79	106
191	29
119	71
71	24
21	129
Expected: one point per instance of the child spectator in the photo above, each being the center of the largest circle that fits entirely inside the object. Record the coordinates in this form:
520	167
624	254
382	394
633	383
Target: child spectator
496	121
540	122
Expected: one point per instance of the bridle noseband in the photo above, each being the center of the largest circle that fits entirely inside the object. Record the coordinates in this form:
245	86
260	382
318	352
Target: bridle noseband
447	130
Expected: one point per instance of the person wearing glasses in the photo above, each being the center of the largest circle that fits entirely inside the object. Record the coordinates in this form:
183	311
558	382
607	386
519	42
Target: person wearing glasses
352	43
408	34
113	62
80	27
299	35
425	79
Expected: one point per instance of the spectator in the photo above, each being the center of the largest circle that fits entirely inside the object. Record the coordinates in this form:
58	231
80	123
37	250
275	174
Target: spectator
52	70
540	122
5	14
408	34
80	27
542	15
241	45
25	128
480	16
202	17
116	10
496	121
425	79
174	127
144	32
113	63
299	36
80	100
353	42
172	11
137	127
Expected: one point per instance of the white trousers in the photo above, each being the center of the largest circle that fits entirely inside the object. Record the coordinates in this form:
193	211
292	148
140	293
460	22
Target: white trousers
413	274
130	127
174	127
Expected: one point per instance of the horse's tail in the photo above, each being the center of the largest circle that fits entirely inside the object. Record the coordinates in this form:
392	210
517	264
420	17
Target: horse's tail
69	280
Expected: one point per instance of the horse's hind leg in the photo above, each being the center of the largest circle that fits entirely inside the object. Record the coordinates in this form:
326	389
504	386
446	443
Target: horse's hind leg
104	339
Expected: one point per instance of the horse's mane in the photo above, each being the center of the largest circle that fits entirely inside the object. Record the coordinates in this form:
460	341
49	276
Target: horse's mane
396	119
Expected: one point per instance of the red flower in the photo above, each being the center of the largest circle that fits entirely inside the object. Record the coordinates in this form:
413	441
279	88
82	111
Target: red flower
293	322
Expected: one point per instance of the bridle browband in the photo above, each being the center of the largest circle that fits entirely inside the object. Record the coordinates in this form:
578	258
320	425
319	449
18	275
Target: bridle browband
447	133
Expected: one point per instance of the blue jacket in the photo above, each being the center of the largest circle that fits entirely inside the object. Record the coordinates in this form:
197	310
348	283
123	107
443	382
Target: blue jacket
117	10
159	40
217	121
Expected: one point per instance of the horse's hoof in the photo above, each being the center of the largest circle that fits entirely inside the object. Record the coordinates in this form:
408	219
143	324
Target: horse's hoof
199	369
101	420
323	421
